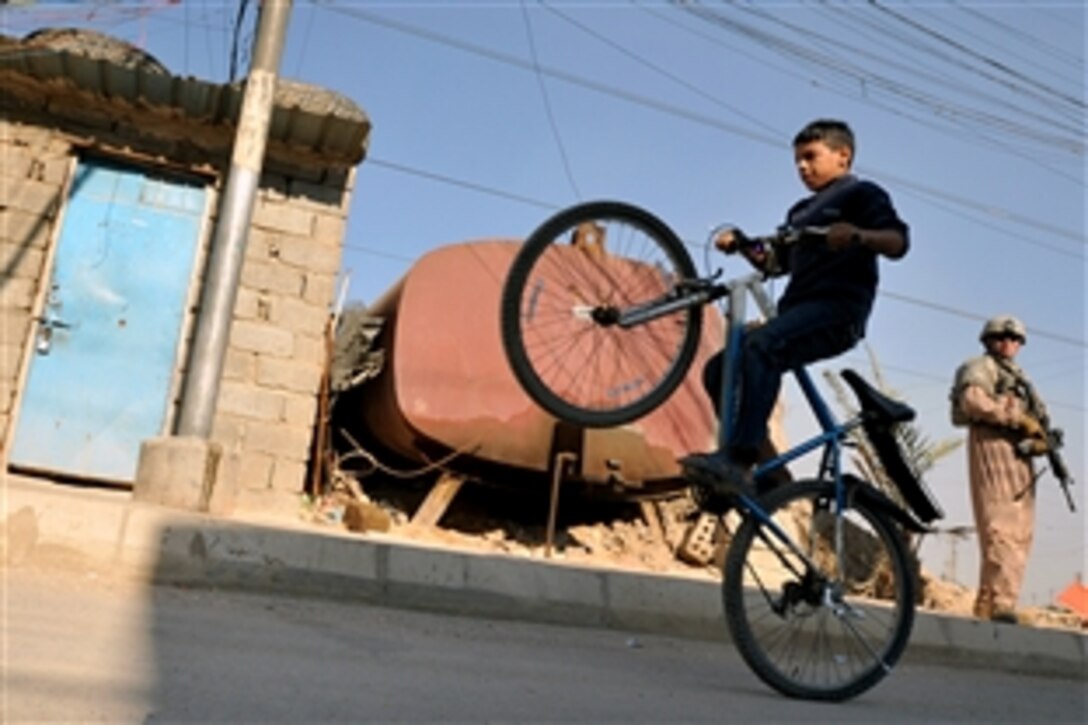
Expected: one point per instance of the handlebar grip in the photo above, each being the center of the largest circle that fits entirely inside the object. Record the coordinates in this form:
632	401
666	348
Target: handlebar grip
793	235
785	236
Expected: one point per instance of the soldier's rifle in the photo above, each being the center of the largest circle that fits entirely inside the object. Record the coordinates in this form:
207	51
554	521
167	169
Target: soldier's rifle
1054	439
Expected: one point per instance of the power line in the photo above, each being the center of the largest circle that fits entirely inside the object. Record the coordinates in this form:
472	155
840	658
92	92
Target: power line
536	202
499	193
951	126
547	103
805	50
1042	45
997	65
600	38
462	183
948	309
655	104
980	40
236	39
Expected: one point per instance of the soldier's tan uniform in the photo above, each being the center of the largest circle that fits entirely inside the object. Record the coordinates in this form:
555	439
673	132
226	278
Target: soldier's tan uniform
993	402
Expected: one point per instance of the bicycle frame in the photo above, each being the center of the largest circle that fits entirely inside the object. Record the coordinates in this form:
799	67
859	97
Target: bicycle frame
832	435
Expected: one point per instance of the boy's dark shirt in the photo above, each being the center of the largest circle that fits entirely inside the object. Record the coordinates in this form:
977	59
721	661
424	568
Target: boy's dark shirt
849	276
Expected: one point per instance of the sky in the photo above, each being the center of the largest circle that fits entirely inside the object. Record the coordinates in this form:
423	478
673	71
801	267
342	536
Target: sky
489	116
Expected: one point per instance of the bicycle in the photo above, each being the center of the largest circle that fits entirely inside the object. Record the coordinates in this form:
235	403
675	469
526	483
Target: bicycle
601	313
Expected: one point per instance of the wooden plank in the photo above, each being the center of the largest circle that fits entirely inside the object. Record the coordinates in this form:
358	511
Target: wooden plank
652	516
434	506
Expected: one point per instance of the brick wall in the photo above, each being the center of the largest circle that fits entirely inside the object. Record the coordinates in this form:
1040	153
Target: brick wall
268	396
33	167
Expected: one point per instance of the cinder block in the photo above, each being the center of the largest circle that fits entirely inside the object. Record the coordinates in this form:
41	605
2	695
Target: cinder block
240	365
255	471
250	402
14	325
262	338
20	260
7	395
17	161
298	377
11	357
230	431
249	304
34	197
279	440
273	277
318	289
329	229
309	254
283	217
300	410
308	347
23	228
298	315
289	476
18	293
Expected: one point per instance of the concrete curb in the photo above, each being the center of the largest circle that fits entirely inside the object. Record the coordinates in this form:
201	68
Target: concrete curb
106	530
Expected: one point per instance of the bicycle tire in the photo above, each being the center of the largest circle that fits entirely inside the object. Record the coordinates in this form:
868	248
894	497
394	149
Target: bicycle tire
599	255
786	629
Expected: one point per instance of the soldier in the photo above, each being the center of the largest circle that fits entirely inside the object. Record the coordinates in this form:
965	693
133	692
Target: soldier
992	396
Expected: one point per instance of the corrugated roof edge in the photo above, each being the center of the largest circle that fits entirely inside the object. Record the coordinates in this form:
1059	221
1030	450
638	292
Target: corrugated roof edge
305	116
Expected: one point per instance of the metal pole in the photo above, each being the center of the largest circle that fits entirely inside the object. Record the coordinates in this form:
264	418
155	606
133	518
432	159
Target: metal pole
232	231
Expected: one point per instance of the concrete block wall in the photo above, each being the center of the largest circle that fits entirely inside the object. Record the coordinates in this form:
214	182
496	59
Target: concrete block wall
34	165
268	396
269	393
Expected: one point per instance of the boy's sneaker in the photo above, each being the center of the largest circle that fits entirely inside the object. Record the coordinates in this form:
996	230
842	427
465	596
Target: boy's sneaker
718	474
1005	616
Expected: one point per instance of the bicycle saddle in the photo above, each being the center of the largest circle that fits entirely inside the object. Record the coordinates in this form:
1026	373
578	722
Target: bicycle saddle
873	401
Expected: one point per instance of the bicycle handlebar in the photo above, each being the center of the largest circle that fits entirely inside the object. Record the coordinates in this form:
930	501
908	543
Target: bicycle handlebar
785	236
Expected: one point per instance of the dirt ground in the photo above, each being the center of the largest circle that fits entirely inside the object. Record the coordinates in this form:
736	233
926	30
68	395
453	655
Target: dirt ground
621	535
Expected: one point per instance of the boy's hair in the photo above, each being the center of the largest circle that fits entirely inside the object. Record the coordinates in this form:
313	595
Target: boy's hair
835	134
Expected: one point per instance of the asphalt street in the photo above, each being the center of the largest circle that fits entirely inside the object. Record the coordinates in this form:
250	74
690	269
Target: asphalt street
80	646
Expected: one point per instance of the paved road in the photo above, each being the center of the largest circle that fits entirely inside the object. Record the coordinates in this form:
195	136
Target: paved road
81	648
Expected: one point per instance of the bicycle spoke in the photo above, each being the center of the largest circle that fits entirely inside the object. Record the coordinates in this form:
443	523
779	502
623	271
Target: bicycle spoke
561	306
805	632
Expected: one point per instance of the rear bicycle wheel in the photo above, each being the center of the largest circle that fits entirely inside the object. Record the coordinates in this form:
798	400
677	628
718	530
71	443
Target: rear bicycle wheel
564	290
825	634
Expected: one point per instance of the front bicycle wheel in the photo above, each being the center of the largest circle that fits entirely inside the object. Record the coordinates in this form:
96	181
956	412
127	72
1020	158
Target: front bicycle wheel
563	295
833	626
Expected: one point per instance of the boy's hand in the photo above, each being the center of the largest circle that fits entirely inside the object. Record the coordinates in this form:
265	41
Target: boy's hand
842	236
730	241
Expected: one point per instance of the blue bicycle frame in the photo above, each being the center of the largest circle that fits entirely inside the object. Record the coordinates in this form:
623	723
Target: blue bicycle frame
833	432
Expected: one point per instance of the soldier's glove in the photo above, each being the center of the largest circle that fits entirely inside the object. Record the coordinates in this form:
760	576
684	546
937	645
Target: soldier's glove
1031	428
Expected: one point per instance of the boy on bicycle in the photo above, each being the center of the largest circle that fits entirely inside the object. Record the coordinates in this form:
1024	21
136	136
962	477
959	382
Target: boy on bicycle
826	304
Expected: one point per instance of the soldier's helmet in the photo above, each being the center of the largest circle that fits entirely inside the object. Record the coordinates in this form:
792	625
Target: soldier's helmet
1003	325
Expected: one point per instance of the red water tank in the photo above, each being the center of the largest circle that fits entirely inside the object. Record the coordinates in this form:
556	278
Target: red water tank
446	382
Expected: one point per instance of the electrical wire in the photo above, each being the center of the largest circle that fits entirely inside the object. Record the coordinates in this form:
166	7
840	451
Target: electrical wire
656	104
549	113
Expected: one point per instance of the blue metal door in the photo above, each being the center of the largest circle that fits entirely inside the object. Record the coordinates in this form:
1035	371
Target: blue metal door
100	377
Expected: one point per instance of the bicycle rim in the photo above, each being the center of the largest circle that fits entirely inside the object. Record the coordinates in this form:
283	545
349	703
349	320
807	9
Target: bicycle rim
805	639
600	257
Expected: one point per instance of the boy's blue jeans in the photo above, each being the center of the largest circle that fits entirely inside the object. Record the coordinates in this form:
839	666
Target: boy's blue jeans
800	335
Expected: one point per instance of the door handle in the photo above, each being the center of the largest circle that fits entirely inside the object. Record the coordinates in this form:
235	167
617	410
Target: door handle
53	322
44	340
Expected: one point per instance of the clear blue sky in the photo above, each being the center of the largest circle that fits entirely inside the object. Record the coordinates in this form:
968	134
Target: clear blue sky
488	116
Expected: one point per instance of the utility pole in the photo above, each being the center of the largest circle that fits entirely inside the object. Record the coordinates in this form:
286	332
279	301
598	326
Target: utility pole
185	470
201	388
